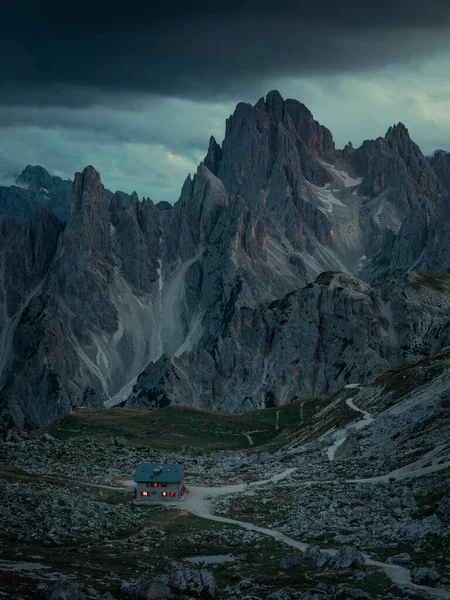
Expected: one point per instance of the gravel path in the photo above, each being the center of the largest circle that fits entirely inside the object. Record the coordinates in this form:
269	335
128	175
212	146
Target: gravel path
341	435
199	501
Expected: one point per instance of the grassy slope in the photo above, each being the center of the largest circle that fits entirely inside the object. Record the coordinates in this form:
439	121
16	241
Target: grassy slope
170	428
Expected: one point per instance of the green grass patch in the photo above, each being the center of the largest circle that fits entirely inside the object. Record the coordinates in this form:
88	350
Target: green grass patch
169	429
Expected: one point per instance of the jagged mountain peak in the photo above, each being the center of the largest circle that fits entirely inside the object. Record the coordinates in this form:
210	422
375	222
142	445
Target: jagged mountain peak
440	152
87	192
398	130
187	186
133	201
87	230
273	96
163	205
116	204
214	156
440	163
275	105
280	110
33	172
36	177
90	173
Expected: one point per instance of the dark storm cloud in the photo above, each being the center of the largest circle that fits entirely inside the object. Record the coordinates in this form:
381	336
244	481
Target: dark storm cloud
137	88
76	54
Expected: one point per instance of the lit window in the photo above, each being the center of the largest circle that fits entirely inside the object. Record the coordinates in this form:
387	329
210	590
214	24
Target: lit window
173	494
144	493
164	494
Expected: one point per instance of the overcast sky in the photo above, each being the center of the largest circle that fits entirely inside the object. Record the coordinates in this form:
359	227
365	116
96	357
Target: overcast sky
138	93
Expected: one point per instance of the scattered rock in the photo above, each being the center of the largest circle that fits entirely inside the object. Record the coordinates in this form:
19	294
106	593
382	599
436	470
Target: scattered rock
348	557
66	589
315	554
290	560
279	595
443	510
425	575
119	442
348	593
148	587
5	511
189	450
403	558
197	581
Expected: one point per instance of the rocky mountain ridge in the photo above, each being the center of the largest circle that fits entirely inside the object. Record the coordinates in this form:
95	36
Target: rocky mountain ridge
219	302
35	187
334	331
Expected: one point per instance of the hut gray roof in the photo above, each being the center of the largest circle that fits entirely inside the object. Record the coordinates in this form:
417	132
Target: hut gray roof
159	473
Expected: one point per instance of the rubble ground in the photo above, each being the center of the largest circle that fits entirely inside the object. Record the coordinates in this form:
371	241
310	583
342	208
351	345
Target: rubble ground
385	493
99	536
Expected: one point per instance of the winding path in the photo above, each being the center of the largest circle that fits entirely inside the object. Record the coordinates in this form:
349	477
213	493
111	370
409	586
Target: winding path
199	502
431	462
341	434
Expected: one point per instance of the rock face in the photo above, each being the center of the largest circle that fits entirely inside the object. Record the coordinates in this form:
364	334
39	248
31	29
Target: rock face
396	180
76	324
289	561
440	163
332	332
243	295
299	346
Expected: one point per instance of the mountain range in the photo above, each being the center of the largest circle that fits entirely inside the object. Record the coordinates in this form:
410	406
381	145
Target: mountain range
287	268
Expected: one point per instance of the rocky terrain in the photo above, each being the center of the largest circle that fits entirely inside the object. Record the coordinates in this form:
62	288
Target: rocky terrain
339	496
287	268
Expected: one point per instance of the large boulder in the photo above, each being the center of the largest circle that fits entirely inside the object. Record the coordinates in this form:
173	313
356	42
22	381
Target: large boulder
290	560
403	558
5	511
66	589
425	575
315	554
196	581
118	441
148	587
348	557
443	510
189	450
